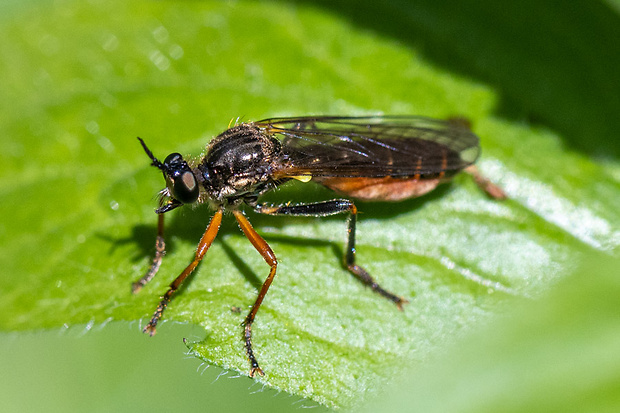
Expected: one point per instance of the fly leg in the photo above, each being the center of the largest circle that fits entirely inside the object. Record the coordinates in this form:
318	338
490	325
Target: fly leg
265	250
336	206
332	207
160	250
201	250
359	272
483	183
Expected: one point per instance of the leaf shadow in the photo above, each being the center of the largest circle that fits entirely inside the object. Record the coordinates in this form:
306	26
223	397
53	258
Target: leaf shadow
188	224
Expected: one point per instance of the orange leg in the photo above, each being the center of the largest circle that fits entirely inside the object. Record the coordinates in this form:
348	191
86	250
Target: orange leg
160	250
203	246
483	183
263	248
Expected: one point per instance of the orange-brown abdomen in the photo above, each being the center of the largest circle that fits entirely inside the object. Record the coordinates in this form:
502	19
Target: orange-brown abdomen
380	189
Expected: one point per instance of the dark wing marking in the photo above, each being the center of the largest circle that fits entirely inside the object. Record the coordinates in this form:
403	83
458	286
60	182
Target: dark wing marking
379	146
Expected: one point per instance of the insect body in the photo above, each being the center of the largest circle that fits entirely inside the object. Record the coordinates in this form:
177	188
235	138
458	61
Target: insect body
368	158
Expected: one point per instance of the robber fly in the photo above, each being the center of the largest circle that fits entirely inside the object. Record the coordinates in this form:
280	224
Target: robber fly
383	158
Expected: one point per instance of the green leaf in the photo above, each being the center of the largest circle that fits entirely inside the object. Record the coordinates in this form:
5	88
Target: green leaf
555	355
85	78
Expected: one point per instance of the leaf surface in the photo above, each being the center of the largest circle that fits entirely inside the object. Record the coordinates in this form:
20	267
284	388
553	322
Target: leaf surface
86	78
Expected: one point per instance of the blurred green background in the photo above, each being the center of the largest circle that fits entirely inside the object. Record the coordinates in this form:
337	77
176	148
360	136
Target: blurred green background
116	368
81	79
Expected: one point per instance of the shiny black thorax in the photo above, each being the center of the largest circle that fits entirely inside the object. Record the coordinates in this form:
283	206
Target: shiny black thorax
238	165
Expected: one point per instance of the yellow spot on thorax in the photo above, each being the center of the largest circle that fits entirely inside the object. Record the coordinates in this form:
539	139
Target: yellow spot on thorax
303	178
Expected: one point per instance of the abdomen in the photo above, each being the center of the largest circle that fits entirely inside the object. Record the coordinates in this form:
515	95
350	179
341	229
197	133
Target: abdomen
381	189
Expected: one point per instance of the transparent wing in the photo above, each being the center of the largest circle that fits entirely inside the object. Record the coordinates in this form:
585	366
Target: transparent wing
326	146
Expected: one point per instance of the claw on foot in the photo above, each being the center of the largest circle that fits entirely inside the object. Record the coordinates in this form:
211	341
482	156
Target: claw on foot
256	369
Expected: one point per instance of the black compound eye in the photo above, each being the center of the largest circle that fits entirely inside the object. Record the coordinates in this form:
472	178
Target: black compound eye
173	160
181	180
185	187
